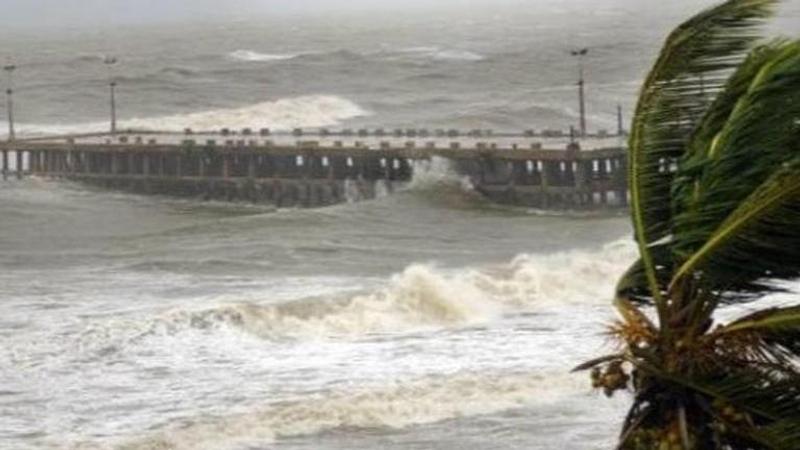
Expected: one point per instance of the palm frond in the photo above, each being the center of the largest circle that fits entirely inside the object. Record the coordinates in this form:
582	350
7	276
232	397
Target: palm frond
696	158
633	285
768	335
758	240
766	397
674	98
746	198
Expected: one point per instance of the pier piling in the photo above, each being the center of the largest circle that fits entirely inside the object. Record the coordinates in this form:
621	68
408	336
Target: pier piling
5	164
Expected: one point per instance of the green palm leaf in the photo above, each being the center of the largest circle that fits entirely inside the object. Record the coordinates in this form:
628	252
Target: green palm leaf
759	239
691	168
744	224
773	334
673	100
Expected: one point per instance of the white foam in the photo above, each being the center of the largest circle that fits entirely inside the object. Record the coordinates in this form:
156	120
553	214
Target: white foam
284	114
253	56
436	173
438	53
427	400
305	111
424	297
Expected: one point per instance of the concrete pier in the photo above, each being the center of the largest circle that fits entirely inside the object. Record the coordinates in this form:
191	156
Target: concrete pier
525	170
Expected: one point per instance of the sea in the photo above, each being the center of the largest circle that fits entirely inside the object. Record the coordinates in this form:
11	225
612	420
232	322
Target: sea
427	318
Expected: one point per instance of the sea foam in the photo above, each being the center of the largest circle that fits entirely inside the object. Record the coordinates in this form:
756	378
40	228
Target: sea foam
420	298
253	56
283	114
394	406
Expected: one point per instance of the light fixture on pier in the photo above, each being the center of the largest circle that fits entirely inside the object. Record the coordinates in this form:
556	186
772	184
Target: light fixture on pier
109	61
9	68
580	54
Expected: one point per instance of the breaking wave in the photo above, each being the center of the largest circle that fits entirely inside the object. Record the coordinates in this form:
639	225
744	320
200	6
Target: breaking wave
396	406
421	298
253	56
344	55
284	114
305	111
438	53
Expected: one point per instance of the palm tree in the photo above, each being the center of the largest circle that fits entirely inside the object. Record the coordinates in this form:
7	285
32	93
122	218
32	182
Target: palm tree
714	169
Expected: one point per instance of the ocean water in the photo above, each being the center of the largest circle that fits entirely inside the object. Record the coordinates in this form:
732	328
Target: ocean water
425	319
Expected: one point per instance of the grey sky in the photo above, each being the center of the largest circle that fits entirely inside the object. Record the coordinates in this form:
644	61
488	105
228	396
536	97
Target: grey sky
86	13
99	13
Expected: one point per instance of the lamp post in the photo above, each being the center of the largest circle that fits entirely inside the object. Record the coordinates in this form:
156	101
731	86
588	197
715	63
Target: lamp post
112	84
581	88
9	68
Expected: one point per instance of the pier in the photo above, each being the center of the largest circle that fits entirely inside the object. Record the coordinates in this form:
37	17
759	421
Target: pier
547	170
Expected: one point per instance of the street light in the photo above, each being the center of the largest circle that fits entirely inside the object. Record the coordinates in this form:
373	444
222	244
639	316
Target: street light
9	68
109	61
581	85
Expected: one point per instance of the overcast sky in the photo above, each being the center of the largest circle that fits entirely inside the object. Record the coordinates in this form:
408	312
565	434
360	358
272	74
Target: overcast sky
99	13
85	13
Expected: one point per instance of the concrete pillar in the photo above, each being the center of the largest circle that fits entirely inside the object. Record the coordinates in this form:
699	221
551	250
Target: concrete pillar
114	163
545	192
146	164
581	181
5	164
20	161
226	166
251	166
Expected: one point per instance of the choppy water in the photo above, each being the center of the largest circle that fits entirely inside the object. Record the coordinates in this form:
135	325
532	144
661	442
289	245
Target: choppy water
425	319
506	67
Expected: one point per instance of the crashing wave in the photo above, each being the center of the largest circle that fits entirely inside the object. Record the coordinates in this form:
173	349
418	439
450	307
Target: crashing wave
284	114
253	56
438	53
420	298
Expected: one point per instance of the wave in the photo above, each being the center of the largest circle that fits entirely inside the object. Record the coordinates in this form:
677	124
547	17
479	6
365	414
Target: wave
438	53
396	406
283	114
253	56
305	111
346	55
421	298
181	72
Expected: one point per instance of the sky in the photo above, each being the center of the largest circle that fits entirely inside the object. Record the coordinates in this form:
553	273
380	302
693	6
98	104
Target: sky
15	14
90	13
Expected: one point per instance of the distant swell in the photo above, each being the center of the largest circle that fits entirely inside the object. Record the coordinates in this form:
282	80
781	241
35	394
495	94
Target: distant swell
397	406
